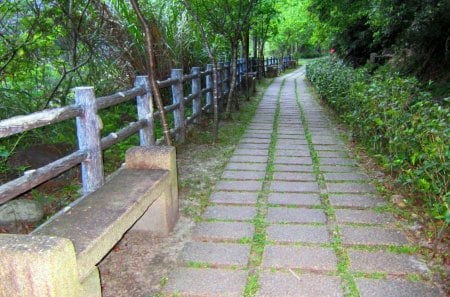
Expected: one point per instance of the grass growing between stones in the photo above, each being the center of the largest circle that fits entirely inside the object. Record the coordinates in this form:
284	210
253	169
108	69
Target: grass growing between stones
260	221
343	262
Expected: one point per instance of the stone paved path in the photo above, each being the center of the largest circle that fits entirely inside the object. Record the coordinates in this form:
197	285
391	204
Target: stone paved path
294	216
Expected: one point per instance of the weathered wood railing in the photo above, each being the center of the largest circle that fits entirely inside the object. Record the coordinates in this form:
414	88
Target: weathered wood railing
91	145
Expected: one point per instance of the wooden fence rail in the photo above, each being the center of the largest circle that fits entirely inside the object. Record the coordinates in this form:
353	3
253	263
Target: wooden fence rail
88	123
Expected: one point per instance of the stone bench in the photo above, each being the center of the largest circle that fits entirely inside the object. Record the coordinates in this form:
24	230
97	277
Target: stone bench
60	257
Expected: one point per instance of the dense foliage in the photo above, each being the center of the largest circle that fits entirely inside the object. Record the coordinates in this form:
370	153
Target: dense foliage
398	122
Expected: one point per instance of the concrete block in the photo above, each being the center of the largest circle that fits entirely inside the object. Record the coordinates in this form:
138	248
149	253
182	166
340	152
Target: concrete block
35	266
159	157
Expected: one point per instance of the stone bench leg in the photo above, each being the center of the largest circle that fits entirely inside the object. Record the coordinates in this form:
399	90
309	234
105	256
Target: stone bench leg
162	215
35	266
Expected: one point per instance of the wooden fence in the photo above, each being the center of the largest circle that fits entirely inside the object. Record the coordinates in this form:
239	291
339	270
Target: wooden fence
88	123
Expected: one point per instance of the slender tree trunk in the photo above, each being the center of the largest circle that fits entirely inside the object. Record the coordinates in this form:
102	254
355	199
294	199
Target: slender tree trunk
151	68
233	79
214	63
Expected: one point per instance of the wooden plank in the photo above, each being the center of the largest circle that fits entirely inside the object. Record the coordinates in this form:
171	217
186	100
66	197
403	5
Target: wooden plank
116	137
38	119
119	97
192	76
166	83
33	178
167	108
145	111
88	134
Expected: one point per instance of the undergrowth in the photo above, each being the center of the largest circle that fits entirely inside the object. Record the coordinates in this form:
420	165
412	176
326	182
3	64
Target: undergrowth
401	126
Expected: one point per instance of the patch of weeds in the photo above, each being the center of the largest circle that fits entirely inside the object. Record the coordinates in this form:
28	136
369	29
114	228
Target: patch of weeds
193	264
163	281
373	275
413	277
245	240
251	286
349	284
410	250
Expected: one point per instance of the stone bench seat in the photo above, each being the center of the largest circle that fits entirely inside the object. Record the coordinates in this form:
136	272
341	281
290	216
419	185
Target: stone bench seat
99	221
60	258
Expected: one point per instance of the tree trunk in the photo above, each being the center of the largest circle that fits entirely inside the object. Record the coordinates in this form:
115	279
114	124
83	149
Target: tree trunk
151	68
233	80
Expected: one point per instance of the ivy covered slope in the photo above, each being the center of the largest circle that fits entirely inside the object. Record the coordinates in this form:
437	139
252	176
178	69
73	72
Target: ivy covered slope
398	122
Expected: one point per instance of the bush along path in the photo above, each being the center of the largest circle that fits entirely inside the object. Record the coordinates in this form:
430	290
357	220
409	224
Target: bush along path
294	216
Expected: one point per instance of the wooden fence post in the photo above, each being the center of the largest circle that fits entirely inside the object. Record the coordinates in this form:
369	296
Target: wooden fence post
178	97
88	133
196	89
209	84
144	105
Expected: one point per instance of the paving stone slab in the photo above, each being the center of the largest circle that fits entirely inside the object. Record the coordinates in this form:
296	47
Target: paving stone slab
381	261
294	176
338	168
293	153
293	160
219	231
291	136
237	185
287	186
249	159
293	168
258	135
329	141
260	146
372	236
355	200
346	176
395	288
243	175
255	140
252	152
246	166
346	187
300	199
295	215
292	131
301	285
238	213
300	148
337	161
290	146
298	233
332	154
307	258
215	254
319	147
234	197
206	282
363	217
297	141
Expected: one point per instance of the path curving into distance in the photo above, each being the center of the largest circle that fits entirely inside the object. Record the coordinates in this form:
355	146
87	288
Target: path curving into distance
293	215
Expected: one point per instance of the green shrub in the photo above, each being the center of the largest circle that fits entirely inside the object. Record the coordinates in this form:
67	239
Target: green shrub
398	122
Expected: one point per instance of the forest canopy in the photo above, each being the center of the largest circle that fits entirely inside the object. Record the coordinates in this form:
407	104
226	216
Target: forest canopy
48	47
